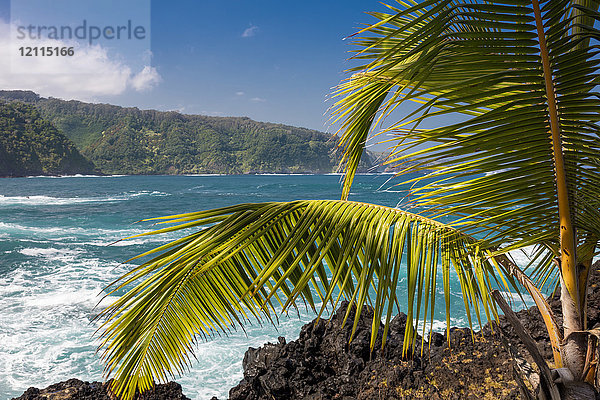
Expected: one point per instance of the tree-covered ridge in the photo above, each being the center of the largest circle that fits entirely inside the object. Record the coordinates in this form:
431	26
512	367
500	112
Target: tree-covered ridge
29	145
131	141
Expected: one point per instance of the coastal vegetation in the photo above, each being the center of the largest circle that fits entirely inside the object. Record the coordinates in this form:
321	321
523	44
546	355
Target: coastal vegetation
519	171
29	145
130	141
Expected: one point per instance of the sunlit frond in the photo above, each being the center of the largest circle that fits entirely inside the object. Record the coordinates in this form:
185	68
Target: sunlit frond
494	170
255	260
524	155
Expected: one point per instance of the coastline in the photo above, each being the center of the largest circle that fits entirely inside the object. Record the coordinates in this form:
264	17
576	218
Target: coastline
207	175
323	364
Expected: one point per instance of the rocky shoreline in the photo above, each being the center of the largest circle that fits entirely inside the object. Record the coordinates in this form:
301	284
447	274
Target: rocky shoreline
322	364
74	389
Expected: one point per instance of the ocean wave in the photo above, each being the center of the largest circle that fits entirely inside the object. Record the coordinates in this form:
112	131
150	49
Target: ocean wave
51	252
278	174
45	330
128	242
203	175
439	325
32	236
8	227
76	176
37	200
48	200
146	193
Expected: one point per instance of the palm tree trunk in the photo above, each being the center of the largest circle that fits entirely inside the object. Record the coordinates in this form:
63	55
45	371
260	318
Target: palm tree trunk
574	348
575	345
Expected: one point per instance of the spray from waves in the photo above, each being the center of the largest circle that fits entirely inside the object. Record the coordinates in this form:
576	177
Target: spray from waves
282	174
37	231
48	200
45	330
219	365
207	175
37	200
66	254
75	176
78	236
128	242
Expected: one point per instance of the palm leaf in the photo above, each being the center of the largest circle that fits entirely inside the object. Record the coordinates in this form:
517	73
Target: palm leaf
494	172
523	76
253	260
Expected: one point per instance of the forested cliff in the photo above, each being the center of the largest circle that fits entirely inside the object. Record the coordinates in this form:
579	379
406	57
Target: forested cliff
29	145
122	140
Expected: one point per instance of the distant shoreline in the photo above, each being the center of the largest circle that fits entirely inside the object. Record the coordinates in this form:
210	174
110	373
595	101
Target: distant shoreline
197	175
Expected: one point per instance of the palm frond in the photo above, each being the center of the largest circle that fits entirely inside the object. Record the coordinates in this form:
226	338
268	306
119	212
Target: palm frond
252	261
493	172
524	79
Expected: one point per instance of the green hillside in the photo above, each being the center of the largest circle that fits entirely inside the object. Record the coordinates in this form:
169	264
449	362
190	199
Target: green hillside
29	145
122	140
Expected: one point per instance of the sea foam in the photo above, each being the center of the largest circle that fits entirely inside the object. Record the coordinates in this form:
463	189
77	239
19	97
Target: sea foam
41	200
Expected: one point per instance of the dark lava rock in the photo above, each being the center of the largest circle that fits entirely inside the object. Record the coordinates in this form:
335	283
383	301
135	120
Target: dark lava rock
323	364
74	389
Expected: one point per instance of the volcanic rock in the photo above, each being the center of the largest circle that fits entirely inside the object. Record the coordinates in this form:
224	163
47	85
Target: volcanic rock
74	389
325	364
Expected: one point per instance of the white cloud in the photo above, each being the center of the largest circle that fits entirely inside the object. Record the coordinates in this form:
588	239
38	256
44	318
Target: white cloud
251	31
146	79
258	100
89	73
239	93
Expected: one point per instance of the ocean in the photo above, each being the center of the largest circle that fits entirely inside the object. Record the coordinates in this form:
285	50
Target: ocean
55	261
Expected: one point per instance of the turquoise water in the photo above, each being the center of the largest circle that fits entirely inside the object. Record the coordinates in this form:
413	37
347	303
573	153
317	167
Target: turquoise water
54	263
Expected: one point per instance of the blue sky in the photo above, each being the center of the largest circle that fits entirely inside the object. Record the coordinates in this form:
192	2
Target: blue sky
269	60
